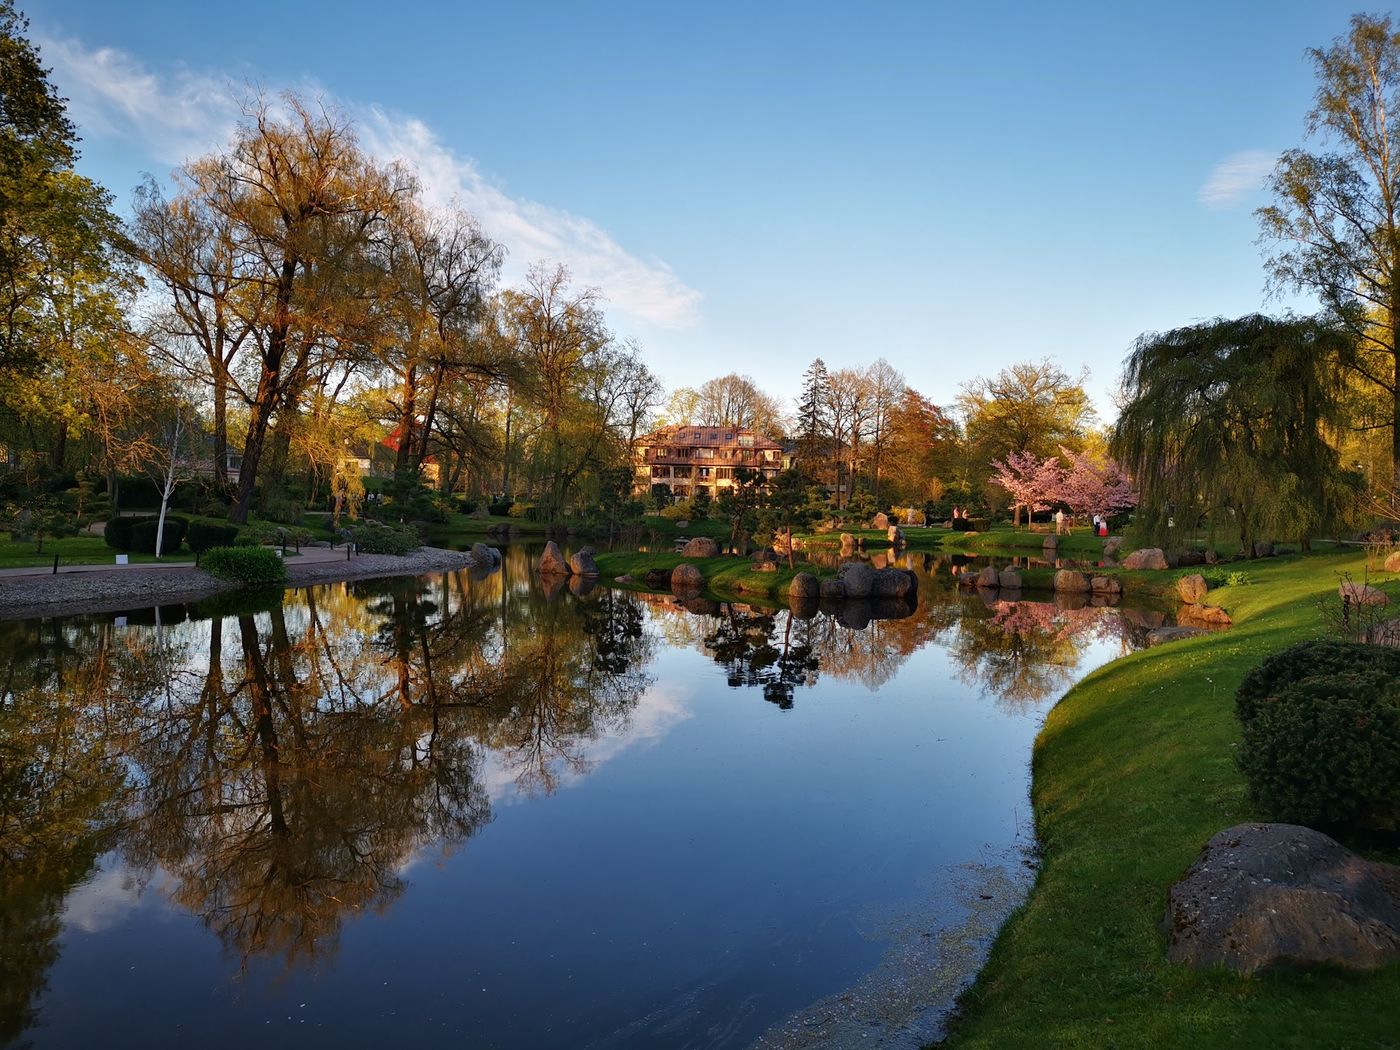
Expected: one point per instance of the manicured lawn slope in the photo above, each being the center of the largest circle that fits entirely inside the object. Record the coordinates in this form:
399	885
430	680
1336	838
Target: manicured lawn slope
1133	772
71	550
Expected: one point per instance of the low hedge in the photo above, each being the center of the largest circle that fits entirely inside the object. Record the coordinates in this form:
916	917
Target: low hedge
1321	727
206	535
143	535
384	539
249	566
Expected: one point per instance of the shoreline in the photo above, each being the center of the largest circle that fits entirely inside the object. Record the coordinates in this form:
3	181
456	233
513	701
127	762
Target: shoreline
78	593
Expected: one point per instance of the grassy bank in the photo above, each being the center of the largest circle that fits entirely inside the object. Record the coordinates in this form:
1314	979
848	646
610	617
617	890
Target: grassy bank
1133	772
1005	539
70	550
725	577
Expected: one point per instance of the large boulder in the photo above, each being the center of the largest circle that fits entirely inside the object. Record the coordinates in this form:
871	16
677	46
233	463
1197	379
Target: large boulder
831	588
881	521
988	578
1050	545
1191	557
848	543
1106	585
552	561
686	578
893	583
1280	896
1009	579
582	564
857	577
1071	581
1392	562
700	547
1263	550
1112	547
1353	593
804	585
1146	558
1192	589
895	535
484	556
765	561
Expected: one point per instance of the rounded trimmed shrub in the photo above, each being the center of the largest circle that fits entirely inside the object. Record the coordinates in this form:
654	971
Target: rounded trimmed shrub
143	535
206	535
249	566
117	534
1321	726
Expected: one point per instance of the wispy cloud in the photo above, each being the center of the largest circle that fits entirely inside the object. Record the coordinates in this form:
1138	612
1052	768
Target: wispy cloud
173	116
1235	178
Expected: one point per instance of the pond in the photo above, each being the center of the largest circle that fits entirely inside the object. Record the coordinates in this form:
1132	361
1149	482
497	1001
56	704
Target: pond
477	810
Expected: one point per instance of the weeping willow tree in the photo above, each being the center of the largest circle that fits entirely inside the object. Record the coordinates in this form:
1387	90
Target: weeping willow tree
1225	428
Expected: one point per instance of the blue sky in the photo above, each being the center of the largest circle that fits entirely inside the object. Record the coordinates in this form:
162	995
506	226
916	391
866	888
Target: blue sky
754	185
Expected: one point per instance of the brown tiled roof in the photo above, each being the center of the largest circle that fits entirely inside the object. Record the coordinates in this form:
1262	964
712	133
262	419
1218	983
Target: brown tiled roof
707	437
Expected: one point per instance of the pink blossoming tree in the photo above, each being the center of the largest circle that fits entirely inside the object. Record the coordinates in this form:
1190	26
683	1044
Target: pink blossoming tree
1030	481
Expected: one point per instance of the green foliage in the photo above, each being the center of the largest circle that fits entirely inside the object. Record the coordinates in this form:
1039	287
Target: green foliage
678	511
1321	725
700	504
385	539
117	534
861	506
42	515
257	533
661	496
143	535
249	566
284	511
499	509
206	535
407	497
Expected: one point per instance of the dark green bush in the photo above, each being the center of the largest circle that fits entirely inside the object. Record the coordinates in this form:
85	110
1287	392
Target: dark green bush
1321	727
143	535
249	566
384	539
206	535
962	525
282	511
117	534
500	509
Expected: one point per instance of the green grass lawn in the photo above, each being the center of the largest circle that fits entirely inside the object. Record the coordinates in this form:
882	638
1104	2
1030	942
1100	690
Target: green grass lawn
1003	538
71	550
1133	772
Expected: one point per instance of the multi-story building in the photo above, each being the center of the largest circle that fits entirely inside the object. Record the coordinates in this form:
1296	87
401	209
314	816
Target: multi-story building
691	458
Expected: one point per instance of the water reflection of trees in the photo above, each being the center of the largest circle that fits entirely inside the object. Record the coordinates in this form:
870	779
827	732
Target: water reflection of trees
284	767
1025	652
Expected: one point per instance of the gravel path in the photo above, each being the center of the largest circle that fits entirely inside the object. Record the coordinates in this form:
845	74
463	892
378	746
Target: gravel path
70	593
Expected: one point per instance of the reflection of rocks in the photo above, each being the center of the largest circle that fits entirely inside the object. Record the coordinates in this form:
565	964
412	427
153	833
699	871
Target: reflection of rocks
1145	618
658	579
1279	896
552	561
803	608
552	585
700	606
1203	616
855	614
581	586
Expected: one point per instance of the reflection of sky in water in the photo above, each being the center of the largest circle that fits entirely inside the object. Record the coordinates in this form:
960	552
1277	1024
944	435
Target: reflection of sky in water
697	866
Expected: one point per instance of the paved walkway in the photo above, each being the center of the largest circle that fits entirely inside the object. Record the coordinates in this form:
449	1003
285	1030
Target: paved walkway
308	556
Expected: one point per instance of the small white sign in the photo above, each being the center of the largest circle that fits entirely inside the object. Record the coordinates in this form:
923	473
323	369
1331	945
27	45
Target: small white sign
122	559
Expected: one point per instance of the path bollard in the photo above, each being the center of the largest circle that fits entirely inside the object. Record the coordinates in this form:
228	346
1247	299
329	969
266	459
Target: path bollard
55	564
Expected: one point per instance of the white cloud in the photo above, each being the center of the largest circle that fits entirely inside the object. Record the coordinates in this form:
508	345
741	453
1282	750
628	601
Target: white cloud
113	93
1235	178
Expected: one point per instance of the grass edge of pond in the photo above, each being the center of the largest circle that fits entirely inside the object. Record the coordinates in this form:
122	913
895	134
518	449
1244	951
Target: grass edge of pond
1132	772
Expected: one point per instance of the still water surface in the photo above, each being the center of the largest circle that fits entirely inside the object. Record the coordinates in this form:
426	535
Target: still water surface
480	811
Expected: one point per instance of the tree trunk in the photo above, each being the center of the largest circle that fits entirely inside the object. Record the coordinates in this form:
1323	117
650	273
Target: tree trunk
220	427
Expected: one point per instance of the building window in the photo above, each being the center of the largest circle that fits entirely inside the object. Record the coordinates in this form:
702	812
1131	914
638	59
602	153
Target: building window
724	473
746	441
680	472
660	472
705	473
